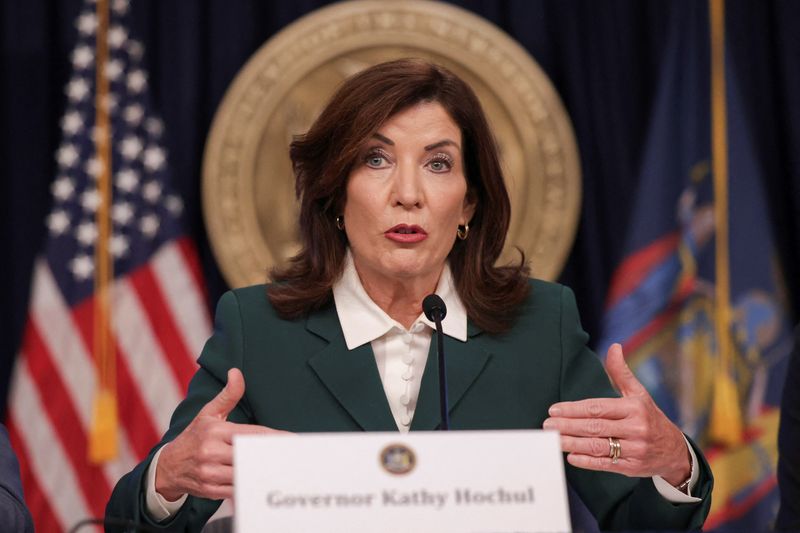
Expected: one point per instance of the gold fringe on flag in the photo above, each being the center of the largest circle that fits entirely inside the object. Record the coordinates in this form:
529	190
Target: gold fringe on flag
725	426
103	432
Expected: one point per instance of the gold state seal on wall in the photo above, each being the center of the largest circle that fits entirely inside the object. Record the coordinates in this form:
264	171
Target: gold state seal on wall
248	186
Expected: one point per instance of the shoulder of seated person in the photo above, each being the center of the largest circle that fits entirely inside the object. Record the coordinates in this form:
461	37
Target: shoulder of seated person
543	293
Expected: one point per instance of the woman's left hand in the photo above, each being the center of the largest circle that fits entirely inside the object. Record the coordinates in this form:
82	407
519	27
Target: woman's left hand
650	444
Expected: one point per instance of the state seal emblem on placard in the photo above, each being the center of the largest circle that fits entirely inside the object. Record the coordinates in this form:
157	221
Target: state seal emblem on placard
248	186
398	459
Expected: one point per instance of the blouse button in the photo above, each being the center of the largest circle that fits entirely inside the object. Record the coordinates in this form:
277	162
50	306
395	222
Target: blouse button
408	358
407	375
405	420
405	400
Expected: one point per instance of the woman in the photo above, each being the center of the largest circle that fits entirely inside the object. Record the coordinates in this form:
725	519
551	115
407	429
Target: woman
402	195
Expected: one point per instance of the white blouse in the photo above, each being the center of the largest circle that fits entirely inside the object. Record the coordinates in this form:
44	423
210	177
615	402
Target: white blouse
400	353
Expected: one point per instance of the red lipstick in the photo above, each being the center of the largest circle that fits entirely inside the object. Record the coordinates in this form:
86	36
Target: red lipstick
406	234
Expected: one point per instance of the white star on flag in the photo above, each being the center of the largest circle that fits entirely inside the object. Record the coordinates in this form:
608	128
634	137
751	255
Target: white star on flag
149	225
81	267
77	89
93	167
58	222
174	205
151	191
120	7
62	188
127	180
114	69
122	213
90	200
119	245
137	81
130	147
154	127
135	49
117	36
87	23
82	57
133	114
86	233
67	155
154	158
72	123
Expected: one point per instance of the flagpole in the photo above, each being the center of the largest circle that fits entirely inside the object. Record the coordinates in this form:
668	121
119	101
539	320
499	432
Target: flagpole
726	417
103	433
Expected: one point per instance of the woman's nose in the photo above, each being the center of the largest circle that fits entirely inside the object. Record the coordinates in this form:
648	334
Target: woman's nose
407	187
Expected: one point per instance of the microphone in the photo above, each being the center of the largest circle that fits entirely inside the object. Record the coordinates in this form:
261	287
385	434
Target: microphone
434	308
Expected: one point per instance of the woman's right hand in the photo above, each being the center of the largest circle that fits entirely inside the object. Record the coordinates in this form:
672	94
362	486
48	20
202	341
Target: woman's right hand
200	460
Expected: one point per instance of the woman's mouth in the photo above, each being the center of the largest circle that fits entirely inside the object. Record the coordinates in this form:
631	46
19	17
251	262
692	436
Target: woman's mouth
406	234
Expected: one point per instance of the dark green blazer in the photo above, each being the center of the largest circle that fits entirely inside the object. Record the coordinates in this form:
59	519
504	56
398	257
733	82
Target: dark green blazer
301	377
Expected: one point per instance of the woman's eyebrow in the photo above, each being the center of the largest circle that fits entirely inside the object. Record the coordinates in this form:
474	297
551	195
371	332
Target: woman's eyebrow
441	143
383	139
428	148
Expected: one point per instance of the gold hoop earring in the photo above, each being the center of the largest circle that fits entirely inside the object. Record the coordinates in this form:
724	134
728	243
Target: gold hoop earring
340	222
462	232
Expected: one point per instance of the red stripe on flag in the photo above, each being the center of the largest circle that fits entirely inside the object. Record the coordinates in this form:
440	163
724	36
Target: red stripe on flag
133	412
735	509
163	325
635	267
135	417
44	518
651	329
662	319
190	257
64	419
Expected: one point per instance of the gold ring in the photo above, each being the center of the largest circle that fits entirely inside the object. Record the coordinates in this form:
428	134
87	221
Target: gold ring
614	450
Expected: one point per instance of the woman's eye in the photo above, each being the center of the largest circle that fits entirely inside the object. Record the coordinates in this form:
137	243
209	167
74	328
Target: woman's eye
440	165
375	161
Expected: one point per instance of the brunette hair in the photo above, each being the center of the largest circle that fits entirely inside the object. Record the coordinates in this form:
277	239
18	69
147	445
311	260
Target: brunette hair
323	158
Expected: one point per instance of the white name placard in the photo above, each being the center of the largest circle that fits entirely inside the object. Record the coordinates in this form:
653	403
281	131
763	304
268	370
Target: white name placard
456	481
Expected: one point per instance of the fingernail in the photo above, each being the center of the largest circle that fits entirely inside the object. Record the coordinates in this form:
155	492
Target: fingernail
548	424
554	411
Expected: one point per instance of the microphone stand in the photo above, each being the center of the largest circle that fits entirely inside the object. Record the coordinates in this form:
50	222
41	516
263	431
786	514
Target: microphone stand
435	309
444	408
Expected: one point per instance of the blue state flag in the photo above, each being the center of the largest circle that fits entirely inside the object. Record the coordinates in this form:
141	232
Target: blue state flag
701	316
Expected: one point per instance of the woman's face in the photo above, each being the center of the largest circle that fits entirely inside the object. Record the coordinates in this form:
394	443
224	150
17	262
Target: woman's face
406	196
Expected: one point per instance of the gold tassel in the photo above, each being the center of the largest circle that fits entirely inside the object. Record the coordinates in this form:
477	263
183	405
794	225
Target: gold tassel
725	426
103	432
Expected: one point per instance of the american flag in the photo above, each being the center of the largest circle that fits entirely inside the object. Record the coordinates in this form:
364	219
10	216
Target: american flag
158	315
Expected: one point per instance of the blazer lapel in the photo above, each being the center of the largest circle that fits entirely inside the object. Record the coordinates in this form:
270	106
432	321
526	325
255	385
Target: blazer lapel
350	375
465	362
